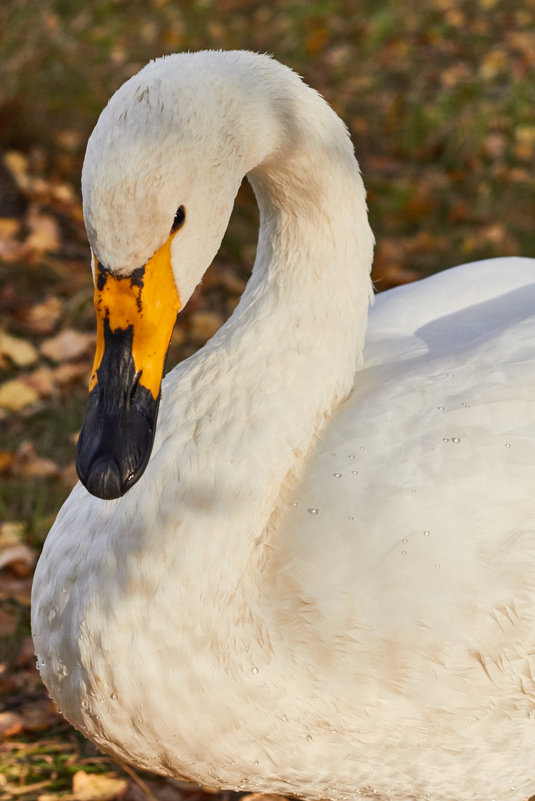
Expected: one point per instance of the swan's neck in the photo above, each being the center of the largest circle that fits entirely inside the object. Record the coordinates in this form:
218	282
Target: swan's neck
263	387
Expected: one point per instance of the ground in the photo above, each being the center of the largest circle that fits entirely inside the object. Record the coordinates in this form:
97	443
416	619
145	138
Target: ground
438	97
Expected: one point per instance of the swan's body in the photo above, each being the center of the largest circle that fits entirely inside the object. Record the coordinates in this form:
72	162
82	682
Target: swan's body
298	596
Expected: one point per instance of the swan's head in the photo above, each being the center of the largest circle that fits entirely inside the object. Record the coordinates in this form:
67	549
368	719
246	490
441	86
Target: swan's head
160	175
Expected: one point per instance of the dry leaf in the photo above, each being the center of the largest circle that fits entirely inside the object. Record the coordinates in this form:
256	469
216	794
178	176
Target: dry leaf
262	797
67	345
97	787
42	317
9	228
15	790
42	380
44	232
11	250
40	715
6	460
17	164
16	394
11	533
11	724
66	373
19	351
19	558
27	463
493	62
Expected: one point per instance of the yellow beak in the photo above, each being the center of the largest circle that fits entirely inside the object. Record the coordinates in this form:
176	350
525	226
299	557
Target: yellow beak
147	302
135	319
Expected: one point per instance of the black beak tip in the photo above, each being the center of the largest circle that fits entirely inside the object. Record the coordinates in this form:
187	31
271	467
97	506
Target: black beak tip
103	480
114	447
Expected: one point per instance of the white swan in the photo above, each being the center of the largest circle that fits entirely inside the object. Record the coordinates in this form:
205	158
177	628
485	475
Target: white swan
305	593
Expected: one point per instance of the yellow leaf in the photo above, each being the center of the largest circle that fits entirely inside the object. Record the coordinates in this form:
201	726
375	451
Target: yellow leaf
493	63
44	232
6	460
17	164
11	533
9	228
97	787
16	394
67	345
19	351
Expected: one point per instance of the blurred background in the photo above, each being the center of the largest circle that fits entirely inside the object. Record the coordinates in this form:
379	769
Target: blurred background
439	96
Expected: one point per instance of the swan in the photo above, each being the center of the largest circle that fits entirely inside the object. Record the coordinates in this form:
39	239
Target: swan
322	581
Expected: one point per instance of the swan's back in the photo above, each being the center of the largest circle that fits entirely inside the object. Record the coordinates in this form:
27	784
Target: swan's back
430	462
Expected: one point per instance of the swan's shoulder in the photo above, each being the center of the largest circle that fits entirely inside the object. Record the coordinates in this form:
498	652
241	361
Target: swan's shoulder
422	481
399	317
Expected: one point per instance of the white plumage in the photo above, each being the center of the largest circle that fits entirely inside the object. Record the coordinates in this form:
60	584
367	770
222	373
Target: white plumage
306	593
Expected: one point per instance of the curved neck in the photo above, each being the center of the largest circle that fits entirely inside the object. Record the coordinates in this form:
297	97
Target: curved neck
264	385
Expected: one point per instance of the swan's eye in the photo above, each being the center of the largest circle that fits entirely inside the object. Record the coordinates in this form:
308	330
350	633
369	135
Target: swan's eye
178	222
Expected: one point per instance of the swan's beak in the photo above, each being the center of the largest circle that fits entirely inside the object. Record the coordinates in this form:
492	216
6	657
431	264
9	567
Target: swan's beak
135	319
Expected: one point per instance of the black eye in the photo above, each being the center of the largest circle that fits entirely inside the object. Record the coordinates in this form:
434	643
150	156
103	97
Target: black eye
178	222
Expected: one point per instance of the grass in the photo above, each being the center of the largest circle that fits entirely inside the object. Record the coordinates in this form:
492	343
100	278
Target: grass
438	97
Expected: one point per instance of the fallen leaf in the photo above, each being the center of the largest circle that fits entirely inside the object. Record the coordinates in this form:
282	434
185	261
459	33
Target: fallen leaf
19	558
42	317
19	351
10	724
16	394
69	139
66	373
9	228
262	797
6	460
42	380
17	164
494	62
24	789
11	250
27	463
11	533
495	145
67	345
44	232
97	786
